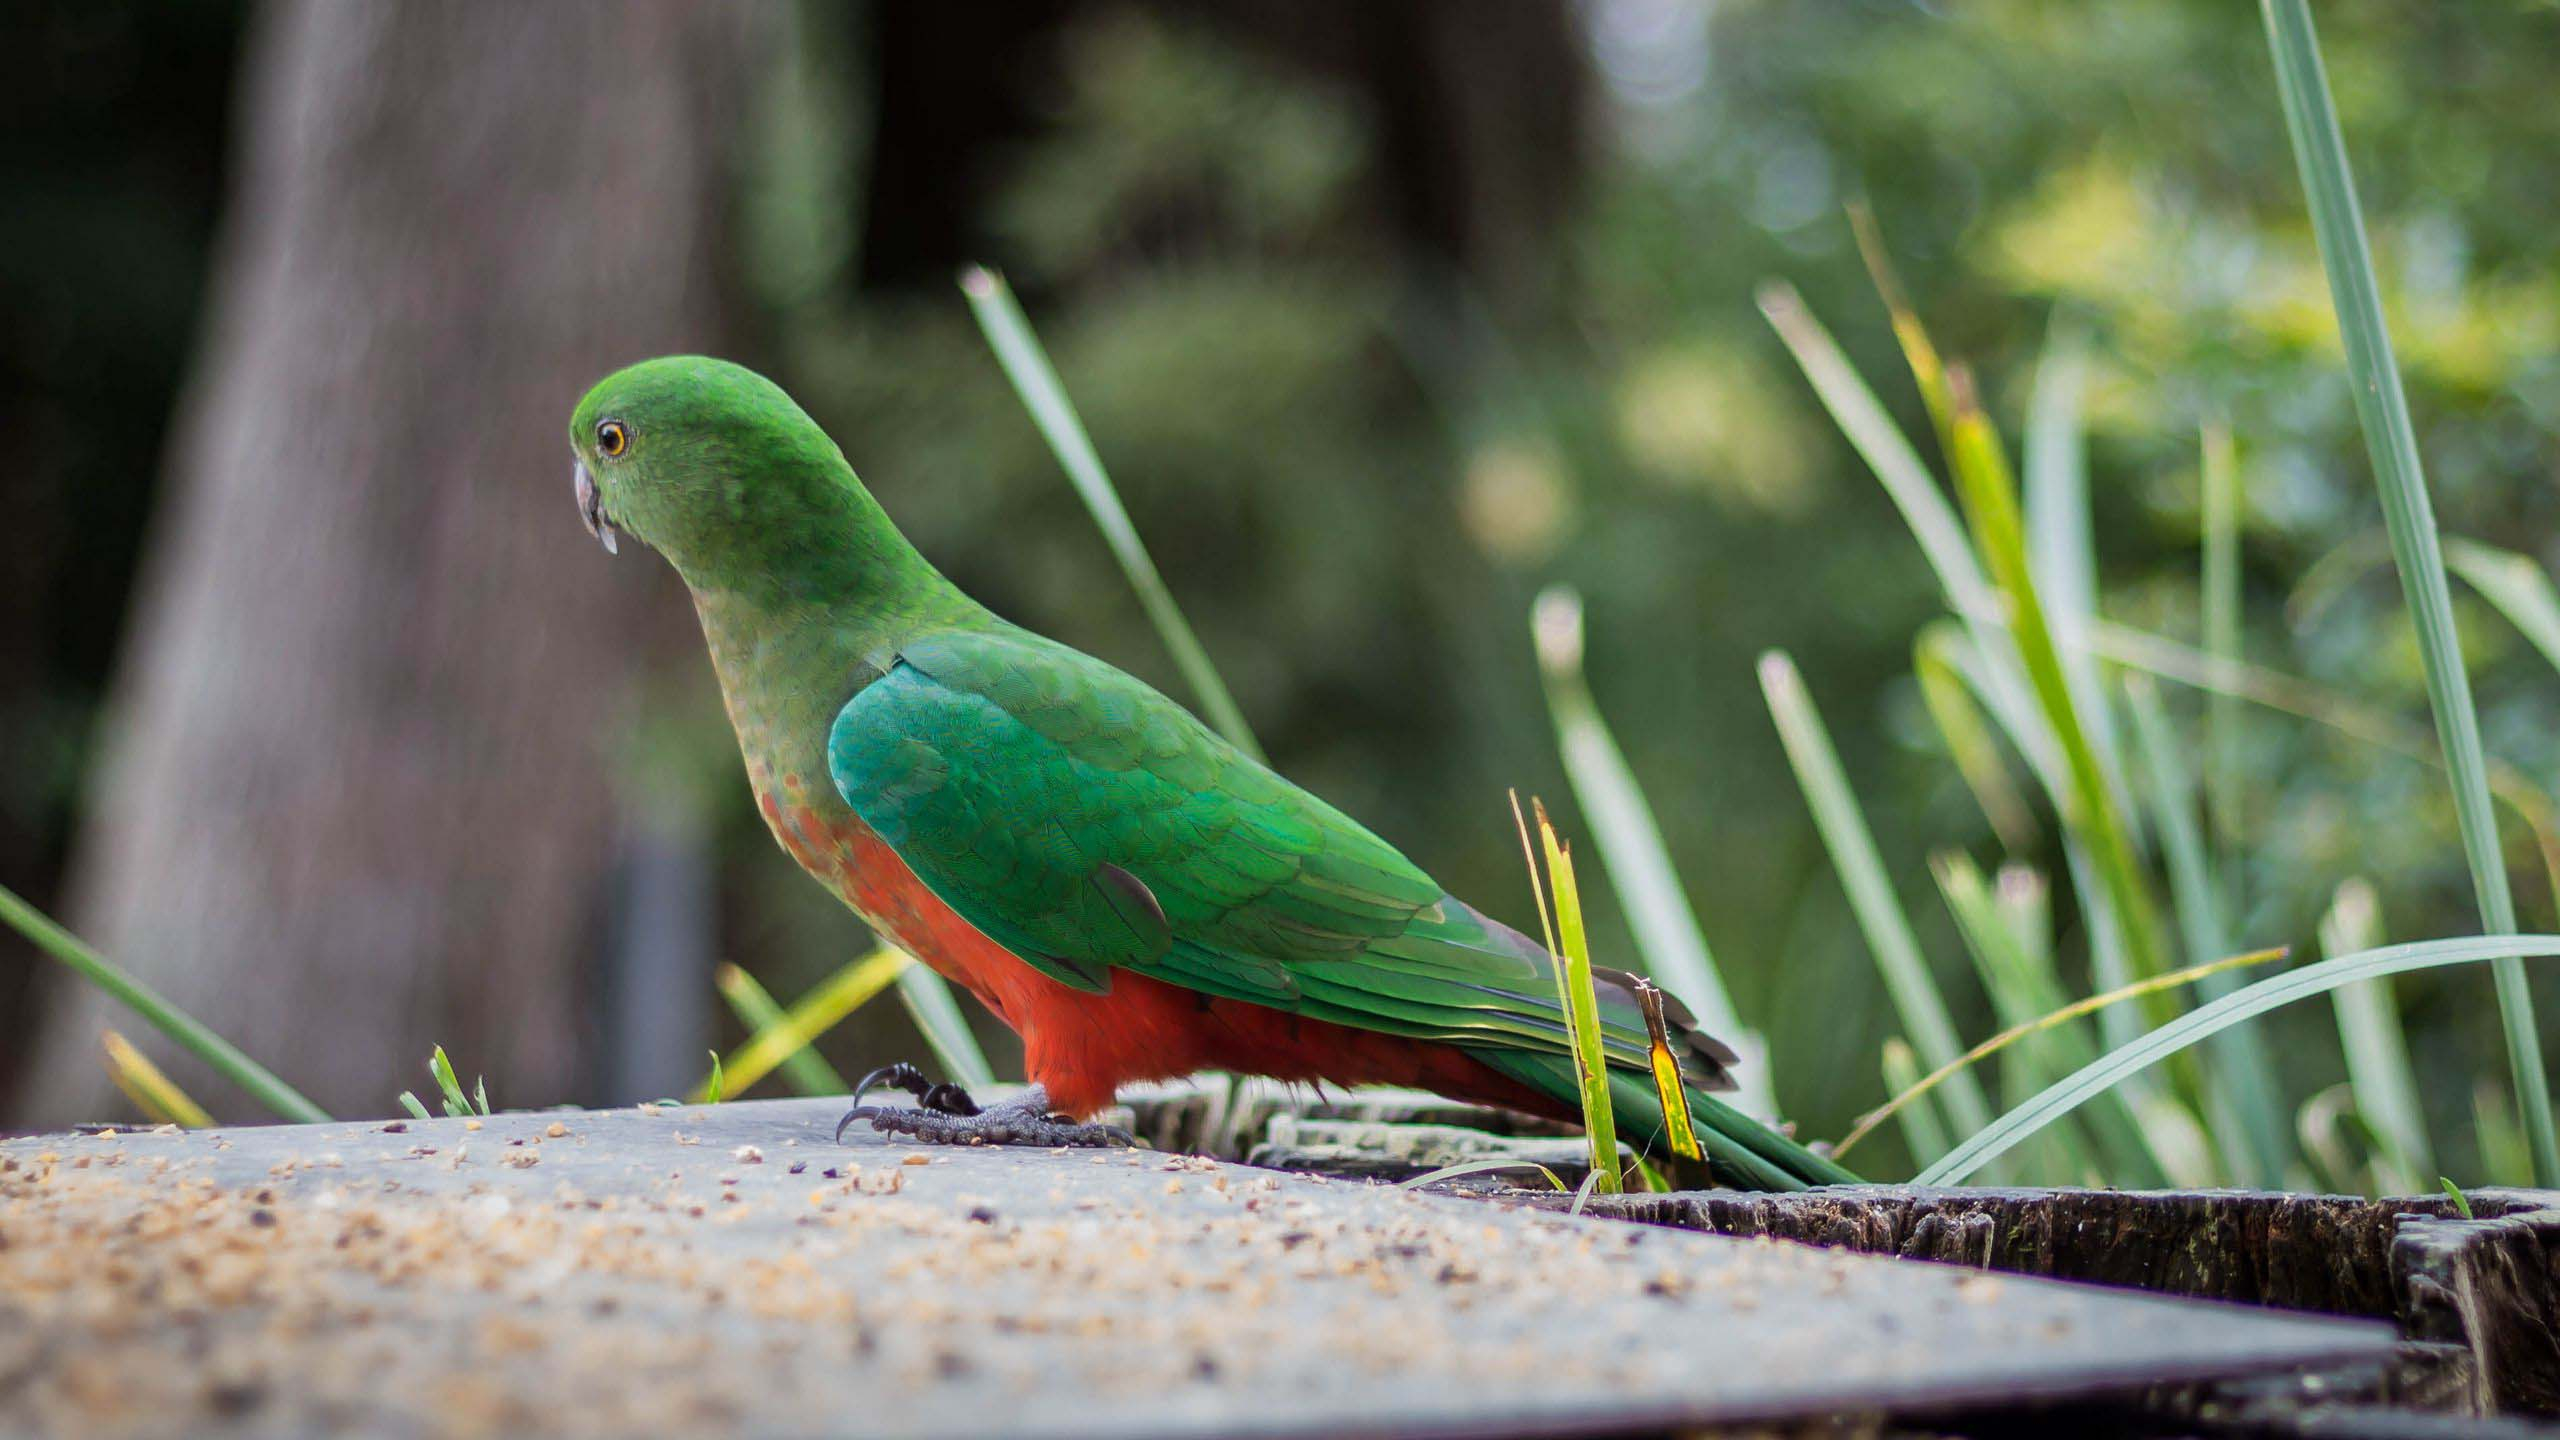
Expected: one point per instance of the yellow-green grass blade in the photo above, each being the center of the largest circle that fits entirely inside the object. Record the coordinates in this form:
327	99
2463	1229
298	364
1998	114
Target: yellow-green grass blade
805	1068
2378	1069
2210	1019
2250	1129
813	1015
1669	1085
1581	1010
1632	849
1027	366
148	1087
936	1011
1862	874
190	1033
1990	501
2311	120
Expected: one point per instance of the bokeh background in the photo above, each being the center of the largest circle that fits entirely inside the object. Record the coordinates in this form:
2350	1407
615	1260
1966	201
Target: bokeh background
319	710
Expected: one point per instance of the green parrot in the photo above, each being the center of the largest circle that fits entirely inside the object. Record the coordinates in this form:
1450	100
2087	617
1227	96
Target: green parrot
1130	893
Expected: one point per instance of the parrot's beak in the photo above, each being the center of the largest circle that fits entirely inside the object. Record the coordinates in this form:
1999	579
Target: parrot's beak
591	509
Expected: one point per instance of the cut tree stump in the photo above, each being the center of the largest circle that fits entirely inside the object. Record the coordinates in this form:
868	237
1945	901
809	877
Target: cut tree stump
730	1267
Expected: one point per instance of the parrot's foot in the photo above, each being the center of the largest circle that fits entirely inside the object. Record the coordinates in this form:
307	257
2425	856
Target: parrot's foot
945	1115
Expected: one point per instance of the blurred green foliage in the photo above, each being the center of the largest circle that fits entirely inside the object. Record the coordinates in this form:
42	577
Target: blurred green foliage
1356	468
1355	508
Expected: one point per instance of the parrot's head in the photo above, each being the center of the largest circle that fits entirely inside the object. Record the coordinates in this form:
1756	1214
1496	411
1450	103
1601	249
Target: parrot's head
706	462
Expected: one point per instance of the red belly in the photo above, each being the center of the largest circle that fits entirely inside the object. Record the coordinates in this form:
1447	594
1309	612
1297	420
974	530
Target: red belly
1084	1046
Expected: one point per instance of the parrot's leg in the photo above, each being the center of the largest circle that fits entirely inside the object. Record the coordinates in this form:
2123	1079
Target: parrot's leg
945	1115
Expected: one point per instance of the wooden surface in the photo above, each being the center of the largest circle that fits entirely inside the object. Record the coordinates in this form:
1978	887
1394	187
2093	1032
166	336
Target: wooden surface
732	1268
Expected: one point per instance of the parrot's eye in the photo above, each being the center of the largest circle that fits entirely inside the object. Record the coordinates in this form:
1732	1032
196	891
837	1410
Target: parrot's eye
612	439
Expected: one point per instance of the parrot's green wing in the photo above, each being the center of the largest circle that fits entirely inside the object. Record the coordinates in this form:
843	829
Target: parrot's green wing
1087	823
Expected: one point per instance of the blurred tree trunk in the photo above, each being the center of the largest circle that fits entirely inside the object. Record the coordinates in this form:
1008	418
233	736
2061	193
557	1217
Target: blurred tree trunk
355	795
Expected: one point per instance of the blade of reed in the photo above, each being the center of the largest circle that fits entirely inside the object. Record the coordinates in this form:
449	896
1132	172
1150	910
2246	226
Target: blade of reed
1581	1008
2311	121
1027	366
1968	735
2169	660
2258	1147
2061	548
1631	845
2018	974
2211	1019
1990	500
2068	1013
2516	585
226	1058
2001	960
2503	1148
813	1015
147	1086
2223	777
1925	512
808	1072
1922	1130
1862	874
931	1005
2377	1051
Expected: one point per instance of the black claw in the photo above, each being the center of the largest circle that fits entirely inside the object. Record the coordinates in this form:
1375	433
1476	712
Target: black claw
903	1075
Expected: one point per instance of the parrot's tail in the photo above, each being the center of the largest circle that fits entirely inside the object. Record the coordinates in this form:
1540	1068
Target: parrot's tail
1739	1150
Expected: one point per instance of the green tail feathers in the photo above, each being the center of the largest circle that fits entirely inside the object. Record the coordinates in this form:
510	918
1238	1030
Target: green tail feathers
1740	1150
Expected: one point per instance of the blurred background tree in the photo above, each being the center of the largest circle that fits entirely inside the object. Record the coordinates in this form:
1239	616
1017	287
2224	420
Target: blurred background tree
1383	317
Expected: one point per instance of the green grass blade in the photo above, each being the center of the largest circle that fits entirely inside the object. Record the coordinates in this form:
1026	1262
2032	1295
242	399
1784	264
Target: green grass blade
2517	585
2311	120
1862	874
1922	1129
2257	1148
1581	1010
1925	510
2223	778
190	1033
1631	846
1881	443
1027	366
2017	971
2377	1051
808	1072
1937	663
936	1011
2292	695
2208	1020
2061	548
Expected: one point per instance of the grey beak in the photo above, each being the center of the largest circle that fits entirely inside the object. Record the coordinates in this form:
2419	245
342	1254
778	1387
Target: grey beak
591	508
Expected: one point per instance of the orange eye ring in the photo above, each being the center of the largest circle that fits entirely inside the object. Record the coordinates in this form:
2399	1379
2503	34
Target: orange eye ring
612	439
